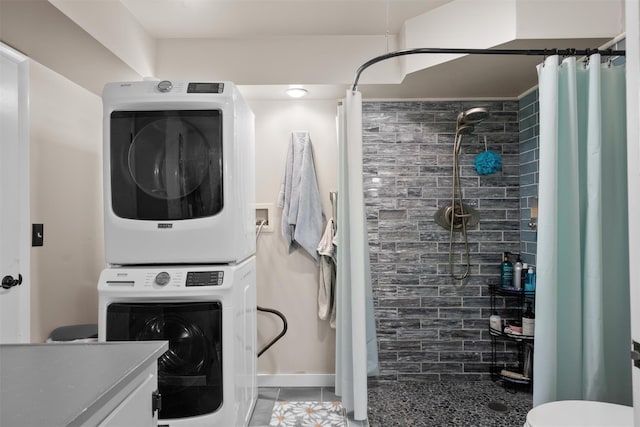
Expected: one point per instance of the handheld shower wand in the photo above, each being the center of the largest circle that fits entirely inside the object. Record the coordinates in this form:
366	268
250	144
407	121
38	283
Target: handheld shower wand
457	216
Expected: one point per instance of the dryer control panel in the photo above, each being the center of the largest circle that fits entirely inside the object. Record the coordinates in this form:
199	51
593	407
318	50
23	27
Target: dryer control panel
205	88
205	278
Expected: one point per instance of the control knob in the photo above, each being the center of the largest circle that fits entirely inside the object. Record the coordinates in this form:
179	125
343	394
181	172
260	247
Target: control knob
165	86
162	278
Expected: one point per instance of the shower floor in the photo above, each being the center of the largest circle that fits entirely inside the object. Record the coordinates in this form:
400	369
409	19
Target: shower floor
447	404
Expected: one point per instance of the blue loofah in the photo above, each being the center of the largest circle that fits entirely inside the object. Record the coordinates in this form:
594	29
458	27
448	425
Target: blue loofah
488	162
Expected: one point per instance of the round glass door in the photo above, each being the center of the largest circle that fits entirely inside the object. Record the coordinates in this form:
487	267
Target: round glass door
166	164
168	158
190	371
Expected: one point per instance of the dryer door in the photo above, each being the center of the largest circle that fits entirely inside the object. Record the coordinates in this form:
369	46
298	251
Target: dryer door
190	372
166	165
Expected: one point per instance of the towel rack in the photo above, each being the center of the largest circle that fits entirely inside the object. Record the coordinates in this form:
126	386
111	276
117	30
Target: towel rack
333	196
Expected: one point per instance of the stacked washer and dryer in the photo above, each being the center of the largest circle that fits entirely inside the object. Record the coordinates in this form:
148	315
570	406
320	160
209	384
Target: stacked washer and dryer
179	199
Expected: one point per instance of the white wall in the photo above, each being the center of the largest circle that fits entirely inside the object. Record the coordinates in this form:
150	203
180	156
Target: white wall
66	196
288	282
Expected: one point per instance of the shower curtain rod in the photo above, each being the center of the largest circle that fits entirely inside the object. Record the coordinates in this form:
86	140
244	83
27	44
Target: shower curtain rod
529	52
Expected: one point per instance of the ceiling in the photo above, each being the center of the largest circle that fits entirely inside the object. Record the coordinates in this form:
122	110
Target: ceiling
268	18
264	45
466	77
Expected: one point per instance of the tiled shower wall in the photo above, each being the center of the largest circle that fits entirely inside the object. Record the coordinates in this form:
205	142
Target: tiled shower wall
429	328
529	155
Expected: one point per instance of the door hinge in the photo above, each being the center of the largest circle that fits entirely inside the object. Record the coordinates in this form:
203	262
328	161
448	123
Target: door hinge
635	354
156	402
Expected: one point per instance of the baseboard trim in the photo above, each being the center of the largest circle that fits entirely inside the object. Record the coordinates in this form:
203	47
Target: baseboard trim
296	380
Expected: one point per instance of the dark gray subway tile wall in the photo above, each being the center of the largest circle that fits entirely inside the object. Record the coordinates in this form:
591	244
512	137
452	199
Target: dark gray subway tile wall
428	328
529	157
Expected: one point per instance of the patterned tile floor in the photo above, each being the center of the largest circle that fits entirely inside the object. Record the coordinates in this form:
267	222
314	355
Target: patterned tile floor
296	397
307	413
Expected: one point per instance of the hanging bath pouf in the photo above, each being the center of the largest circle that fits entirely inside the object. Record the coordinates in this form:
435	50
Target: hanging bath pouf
488	161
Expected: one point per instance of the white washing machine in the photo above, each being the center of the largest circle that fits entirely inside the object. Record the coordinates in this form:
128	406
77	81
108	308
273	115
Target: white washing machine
179	173
208	315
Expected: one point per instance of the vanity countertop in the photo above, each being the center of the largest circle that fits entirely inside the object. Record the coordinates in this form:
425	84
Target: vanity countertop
65	384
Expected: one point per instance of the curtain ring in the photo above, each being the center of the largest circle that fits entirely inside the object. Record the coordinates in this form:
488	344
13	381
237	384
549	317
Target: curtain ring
549	53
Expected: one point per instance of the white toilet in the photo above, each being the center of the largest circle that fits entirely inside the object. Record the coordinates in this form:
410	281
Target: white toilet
581	413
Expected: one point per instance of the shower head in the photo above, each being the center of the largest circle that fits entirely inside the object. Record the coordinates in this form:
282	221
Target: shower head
473	116
464	129
460	131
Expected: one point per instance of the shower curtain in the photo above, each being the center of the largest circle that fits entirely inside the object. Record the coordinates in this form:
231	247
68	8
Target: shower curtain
356	348
582	335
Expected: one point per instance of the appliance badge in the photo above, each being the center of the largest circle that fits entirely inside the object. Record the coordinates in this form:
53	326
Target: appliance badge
165	225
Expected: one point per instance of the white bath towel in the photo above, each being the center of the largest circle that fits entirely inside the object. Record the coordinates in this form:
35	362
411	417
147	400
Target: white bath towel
299	197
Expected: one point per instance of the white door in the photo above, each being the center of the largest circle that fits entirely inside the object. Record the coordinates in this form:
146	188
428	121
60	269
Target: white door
14	196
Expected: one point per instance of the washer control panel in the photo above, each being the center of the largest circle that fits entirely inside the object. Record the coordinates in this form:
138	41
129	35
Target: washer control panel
205	278
166	279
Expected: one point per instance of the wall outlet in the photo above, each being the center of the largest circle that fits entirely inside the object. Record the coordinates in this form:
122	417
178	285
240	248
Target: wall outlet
264	212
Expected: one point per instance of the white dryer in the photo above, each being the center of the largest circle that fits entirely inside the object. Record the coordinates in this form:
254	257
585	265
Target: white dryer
179	173
207	313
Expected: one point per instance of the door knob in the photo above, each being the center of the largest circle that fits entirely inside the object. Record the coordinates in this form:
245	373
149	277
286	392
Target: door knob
9	282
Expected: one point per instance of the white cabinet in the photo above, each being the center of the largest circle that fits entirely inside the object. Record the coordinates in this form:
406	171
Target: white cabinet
138	406
98	384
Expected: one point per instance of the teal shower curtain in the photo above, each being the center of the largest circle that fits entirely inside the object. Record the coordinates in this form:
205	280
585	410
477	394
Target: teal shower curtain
582	335
356	345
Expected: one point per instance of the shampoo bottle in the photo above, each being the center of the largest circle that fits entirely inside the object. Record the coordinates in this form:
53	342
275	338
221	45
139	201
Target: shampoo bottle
506	271
517	273
530	282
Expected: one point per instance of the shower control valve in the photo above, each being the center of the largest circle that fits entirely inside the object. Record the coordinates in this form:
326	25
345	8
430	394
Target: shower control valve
162	278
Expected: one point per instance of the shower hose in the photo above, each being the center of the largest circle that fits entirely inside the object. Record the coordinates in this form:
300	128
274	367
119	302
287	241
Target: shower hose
457	214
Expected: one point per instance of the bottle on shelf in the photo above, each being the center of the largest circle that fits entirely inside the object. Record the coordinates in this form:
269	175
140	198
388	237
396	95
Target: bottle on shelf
517	273
495	322
506	271
527	370
528	321
530	281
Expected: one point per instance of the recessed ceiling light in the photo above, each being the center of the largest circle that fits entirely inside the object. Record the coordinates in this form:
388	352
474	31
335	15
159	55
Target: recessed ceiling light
296	91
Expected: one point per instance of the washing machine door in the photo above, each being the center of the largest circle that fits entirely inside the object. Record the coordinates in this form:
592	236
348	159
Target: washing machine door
166	165
190	372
